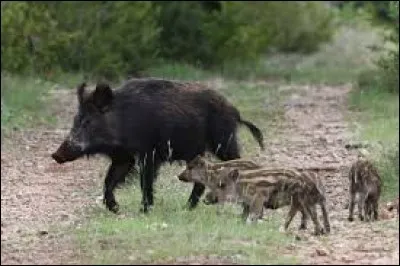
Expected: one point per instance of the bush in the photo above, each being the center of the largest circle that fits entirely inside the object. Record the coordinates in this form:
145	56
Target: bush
297	26
389	62
182	37
127	41
29	37
386	73
241	31
108	38
103	38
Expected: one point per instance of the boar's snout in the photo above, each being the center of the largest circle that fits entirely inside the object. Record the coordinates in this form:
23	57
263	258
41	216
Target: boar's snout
210	199
66	152
184	177
58	158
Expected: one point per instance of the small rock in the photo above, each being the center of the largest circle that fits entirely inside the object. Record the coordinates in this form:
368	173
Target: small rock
347	259
43	232
321	252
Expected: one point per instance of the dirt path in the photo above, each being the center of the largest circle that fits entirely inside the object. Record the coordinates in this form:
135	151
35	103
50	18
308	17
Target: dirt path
314	133
41	200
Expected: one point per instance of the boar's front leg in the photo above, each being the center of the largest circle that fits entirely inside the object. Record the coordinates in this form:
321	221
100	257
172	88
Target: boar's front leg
116	172
197	192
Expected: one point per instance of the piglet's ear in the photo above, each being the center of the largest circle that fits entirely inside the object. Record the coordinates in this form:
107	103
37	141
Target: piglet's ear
234	174
102	96
80	91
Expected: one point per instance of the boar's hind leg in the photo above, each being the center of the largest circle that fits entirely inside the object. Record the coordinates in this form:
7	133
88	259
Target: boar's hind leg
117	172
228	148
149	170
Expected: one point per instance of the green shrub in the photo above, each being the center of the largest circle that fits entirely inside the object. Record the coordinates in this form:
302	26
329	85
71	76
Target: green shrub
30	38
234	33
241	31
296	26
389	62
108	39
182	36
386	73
102	38
127	41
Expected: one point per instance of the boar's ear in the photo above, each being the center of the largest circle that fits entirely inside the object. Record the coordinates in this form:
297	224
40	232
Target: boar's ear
234	174
80	91
102	96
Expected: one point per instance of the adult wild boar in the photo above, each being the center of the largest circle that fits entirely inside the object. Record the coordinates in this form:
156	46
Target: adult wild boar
156	121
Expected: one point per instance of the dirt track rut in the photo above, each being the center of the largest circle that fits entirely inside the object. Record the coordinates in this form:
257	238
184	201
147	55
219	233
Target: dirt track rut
314	134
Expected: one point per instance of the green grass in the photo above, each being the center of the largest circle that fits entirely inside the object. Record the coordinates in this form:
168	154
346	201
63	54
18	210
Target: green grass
170	231
22	102
378	122
178	71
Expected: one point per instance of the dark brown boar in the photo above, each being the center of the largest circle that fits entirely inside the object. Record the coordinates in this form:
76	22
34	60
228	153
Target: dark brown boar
155	121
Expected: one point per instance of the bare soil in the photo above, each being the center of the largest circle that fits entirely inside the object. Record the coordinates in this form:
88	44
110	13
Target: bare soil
41	201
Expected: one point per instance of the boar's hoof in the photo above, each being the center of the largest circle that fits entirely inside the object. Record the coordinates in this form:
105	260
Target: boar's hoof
302	227
111	205
57	158
327	230
350	219
319	232
114	208
145	208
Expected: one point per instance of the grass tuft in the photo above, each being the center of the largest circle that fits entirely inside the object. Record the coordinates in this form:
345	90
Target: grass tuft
23	102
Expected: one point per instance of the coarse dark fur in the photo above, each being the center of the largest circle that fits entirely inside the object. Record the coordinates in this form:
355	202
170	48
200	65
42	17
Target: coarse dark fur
365	181
156	121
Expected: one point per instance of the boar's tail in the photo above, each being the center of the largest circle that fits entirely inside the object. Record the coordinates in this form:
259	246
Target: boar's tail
255	131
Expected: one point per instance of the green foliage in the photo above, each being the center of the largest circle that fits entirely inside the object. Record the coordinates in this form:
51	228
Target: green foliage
386	74
30	37
126	42
182	37
108	39
234	34
389	63
241	31
379	11
102	38
295	26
